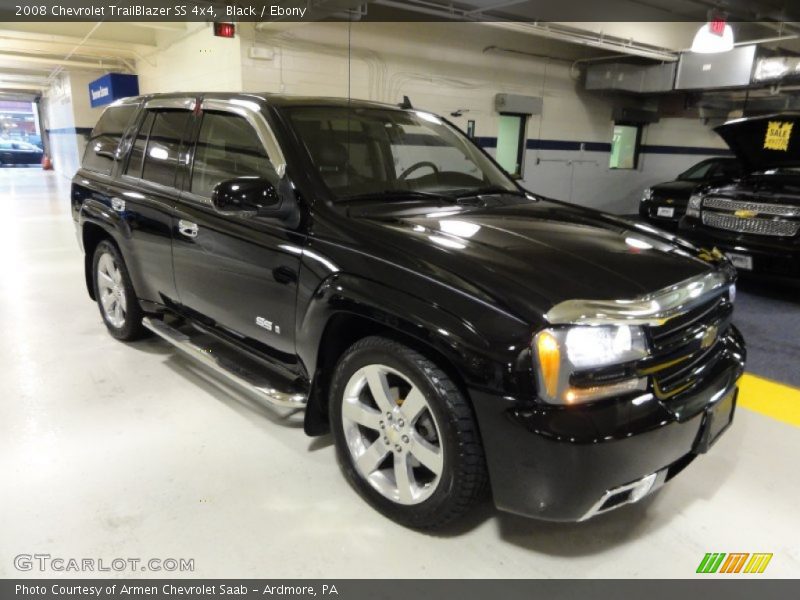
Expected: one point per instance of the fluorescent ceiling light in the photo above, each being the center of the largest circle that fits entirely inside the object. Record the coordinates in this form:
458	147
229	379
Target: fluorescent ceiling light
708	42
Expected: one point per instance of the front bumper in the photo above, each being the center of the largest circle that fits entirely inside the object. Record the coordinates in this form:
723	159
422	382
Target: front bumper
649	210
772	256
569	463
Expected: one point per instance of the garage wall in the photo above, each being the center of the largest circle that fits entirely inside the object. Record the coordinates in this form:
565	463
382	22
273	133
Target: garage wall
69	118
443	67
191	61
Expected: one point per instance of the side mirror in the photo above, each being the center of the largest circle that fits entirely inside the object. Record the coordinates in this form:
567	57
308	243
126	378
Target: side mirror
257	197
244	196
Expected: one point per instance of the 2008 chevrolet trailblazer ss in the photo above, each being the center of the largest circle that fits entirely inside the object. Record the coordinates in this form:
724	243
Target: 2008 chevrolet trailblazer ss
370	264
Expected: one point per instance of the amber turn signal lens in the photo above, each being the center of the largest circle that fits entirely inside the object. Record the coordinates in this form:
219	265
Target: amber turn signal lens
549	354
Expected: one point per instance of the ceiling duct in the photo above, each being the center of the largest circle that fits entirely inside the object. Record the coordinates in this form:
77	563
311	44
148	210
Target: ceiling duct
625	77
709	71
776	68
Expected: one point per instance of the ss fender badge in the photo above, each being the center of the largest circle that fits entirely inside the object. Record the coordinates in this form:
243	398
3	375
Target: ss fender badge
268	325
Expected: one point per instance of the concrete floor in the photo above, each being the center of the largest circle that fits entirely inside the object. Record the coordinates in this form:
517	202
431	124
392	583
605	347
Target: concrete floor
111	450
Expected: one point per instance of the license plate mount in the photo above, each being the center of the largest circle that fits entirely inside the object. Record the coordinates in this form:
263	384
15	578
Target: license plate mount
665	211
716	421
741	261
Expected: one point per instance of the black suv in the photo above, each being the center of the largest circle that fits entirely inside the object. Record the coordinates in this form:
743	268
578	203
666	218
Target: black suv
665	203
371	265
755	220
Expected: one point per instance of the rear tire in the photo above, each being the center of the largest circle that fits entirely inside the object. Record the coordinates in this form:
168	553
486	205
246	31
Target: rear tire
406	438
115	295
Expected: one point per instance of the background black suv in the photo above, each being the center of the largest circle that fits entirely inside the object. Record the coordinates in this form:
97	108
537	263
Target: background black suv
665	203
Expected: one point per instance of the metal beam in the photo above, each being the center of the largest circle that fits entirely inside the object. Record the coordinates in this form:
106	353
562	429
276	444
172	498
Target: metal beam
21	86
53	62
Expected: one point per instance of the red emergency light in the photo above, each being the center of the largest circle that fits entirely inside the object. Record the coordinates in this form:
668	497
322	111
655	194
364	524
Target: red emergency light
226	30
717	26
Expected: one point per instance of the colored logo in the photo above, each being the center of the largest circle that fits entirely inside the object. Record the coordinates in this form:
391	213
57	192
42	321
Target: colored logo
735	562
746	214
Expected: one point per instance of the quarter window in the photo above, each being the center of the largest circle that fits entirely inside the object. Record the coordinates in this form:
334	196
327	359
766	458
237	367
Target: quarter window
227	147
101	151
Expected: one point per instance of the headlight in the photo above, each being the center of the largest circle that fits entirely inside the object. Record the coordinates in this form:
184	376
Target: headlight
695	202
647	194
732	293
576	364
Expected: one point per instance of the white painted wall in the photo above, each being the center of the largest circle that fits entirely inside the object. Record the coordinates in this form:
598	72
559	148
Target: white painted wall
192	61
441	67
445	66
67	109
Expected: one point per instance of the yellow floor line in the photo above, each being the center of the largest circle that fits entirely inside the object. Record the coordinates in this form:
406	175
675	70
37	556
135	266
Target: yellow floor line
776	400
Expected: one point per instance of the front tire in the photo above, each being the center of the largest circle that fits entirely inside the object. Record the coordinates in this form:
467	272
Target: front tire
115	295
405	436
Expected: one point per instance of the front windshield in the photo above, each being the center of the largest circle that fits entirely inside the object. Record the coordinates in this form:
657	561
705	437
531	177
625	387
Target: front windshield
698	172
367	152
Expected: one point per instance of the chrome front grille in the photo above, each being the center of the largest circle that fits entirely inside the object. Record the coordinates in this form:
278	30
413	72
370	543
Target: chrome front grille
778	210
771	227
685	347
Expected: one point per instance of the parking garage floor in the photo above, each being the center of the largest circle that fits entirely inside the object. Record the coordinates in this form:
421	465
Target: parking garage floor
128	450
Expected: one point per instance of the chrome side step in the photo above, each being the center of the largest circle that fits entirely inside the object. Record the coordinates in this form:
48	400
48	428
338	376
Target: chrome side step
254	382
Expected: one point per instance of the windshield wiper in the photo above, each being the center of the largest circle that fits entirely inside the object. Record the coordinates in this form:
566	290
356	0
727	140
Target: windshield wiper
490	189
398	194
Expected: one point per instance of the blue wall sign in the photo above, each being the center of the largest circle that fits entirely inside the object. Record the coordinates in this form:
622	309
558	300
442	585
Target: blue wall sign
112	86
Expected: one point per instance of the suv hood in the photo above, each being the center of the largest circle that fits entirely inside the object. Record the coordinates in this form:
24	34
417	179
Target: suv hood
531	254
768	142
679	189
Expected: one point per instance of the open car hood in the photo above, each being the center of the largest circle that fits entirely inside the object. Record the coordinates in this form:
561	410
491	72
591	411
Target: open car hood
767	142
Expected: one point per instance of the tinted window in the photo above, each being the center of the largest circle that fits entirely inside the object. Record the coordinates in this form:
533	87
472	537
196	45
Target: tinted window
227	147
698	172
371	151
727	170
163	146
134	168
101	149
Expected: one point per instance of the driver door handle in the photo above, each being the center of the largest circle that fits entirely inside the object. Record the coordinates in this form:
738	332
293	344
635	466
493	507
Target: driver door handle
187	228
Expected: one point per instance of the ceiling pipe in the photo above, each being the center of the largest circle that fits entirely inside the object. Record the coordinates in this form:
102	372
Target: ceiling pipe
54	73
771	40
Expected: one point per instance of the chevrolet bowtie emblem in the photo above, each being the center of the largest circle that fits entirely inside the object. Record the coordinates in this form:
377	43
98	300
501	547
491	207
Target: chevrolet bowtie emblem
709	337
746	214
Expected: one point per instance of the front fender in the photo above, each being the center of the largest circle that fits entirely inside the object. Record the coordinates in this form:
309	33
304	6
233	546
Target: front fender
484	351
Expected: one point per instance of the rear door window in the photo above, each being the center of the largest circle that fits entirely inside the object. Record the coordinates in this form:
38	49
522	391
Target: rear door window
101	151
163	146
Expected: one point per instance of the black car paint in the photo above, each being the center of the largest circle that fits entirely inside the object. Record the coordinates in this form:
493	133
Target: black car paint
766	182
675	194
471	303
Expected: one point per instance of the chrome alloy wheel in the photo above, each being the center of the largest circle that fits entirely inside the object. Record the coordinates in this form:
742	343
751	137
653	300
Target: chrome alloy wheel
392	434
111	291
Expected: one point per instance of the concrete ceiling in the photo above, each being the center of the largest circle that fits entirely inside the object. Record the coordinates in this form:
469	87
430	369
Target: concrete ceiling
33	53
